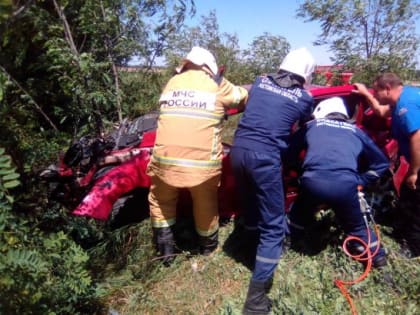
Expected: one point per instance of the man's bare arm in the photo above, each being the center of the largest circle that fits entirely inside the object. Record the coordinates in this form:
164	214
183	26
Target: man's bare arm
378	109
411	177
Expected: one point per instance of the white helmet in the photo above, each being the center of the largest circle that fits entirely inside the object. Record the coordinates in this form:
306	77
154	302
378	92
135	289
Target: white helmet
328	106
200	57
300	62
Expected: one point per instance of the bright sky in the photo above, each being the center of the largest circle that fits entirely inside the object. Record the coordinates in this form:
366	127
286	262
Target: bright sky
249	19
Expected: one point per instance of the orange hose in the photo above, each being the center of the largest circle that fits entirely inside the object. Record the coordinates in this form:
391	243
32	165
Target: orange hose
341	284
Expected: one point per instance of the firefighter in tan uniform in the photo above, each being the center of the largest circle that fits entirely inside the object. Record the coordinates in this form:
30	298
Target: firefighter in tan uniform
188	150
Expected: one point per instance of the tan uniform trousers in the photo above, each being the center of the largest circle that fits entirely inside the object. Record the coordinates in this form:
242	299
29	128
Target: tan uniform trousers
163	200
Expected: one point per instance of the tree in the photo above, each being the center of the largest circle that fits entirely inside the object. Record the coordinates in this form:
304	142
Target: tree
59	59
206	34
369	36
266	53
71	50
224	46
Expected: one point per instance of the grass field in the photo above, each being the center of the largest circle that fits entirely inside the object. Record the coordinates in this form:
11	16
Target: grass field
133	282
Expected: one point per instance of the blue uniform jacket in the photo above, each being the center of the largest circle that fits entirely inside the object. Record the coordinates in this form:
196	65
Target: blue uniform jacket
336	147
270	113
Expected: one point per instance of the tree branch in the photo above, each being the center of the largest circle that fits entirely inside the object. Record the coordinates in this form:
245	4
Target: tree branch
38	108
67	31
70	41
21	9
114	68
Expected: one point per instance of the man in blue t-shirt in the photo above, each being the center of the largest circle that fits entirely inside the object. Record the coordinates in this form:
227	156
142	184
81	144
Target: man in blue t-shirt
332	175
276	102
403	105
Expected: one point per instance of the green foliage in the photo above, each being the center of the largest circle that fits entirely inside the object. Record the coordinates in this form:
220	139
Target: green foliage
225	47
319	79
58	69
367	71
45	274
5	9
141	91
8	177
63	57
368	36
266	53
39	273
31	147
3	81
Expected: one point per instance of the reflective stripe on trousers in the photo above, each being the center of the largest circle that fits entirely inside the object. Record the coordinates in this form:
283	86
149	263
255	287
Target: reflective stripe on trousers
163	200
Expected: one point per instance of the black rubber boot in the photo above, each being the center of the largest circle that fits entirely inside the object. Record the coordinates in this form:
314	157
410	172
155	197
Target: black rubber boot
165	244
379	262
257	301
268	284
208	244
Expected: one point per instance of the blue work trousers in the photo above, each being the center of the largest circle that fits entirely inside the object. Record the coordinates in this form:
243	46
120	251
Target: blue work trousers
338	191
258	177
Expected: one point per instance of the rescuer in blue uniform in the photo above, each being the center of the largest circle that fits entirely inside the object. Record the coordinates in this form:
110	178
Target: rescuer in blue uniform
331	175
276	102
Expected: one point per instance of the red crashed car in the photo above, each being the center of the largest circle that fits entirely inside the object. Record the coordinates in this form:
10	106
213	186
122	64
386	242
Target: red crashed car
96	176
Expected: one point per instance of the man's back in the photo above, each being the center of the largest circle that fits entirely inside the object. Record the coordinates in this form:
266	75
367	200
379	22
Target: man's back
271	111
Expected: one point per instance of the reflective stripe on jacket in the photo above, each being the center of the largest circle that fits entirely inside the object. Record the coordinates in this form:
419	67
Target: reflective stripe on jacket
188	148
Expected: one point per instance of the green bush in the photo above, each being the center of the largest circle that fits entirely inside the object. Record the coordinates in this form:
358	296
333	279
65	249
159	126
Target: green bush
39	273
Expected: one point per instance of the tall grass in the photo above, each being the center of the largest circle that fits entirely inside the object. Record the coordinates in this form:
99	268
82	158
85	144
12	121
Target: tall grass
134	283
